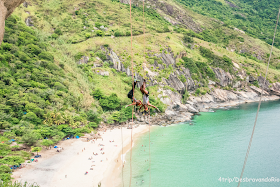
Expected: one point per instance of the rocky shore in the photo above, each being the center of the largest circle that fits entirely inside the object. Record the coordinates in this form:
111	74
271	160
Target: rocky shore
218	98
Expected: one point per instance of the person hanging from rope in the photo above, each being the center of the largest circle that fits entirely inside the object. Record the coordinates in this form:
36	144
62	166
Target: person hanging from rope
130	95
145	93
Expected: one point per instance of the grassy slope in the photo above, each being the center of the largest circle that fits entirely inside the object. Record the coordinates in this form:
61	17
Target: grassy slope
106	13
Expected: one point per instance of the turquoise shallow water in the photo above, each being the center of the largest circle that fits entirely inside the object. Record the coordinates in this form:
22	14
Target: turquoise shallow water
214	146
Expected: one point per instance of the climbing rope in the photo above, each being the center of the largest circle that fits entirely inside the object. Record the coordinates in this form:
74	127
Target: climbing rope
133	96
260	101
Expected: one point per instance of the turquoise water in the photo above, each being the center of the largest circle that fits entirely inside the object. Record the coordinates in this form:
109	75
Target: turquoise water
214	146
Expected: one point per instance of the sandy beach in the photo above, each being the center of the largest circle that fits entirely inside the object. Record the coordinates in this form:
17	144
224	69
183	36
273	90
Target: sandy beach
67	168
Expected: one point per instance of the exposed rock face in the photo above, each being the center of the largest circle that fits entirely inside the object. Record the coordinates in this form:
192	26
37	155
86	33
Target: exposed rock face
263	84
83	60
172	13
29	22
6	9
275	89
224	77
103	73
259	91
217	97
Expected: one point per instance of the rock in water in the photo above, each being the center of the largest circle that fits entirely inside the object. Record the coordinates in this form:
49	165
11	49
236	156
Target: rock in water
6	9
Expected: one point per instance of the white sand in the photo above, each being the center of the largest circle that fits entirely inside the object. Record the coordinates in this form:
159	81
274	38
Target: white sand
50	171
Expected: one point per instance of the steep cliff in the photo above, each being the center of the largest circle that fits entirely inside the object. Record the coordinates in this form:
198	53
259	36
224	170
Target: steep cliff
6	9
225	89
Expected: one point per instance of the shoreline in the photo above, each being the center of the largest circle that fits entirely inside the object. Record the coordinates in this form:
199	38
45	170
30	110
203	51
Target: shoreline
73	161
67	168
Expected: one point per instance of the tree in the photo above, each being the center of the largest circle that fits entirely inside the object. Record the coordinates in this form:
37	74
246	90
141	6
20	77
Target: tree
110	103
187	39
97	94
31	117
36	149
30	137
47	142
93	117
12	160
93	125
58	32
46	56
5	173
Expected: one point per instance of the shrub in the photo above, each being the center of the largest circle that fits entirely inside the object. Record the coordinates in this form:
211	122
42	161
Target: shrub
128	33
58	32
92	125
99	33
54	36
256	83
207	53
46	56
101	55
197	92
110	103
33	49
22	56
97	24
87	35
118	33
187	39
186	96
166	29
78	56
59	86
182	78
93	117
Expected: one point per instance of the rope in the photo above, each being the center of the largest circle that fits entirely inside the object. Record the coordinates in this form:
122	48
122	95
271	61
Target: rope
144	27
121	103
149	107
133	96
260	101
149	150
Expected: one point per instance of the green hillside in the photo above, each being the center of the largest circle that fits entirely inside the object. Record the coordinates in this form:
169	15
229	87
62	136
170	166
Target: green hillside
256	18
46	95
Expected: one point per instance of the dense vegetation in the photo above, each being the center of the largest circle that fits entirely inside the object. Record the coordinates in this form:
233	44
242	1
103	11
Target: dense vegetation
256	18
37	106
35	100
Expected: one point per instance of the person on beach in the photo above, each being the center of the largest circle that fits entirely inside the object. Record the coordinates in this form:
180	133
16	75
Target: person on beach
145	93
130	95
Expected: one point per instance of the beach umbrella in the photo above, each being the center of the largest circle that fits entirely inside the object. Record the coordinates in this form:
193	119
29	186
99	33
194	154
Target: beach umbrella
55	147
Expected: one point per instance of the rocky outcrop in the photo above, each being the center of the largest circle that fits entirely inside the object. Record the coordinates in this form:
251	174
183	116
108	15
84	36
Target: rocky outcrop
263	83
275	89
259	91
174	14
29	22
215	98
6	9
224	77
83	60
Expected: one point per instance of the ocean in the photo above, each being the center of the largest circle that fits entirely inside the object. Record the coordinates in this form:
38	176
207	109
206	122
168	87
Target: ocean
210	150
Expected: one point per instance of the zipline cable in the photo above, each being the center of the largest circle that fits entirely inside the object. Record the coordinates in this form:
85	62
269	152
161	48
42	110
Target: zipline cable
149	108
260	101
149	150
121	104
133	97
